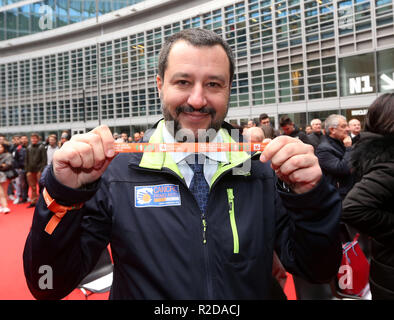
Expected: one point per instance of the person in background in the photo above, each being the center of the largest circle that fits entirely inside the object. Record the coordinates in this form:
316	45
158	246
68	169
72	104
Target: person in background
124	137
64	137
265	124
3	139
5	165
308	130
51	147
22	187
254	135
35	162
137	137
290	129
355	129
251	123
15	142
334	153
315	137
368	207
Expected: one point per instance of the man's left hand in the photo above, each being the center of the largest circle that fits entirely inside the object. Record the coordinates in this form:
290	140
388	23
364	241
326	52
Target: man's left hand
294	163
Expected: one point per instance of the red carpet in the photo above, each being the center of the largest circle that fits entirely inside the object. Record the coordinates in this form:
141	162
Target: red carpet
14	228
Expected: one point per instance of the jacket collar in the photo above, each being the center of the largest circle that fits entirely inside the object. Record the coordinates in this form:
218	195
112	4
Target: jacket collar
336	142
162	160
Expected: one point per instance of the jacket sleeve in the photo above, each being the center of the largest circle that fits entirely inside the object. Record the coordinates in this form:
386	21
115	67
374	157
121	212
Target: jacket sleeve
307	241
331	163
43	158
8	163
366	206
27	169
75	245
305	138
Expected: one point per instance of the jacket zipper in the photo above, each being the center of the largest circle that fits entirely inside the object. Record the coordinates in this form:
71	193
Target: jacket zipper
206	258
230	196
204	228
204	239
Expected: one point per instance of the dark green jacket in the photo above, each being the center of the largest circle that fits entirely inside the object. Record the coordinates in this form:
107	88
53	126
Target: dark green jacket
36	158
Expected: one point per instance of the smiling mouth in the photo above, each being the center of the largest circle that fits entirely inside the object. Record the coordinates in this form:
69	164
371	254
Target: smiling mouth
196	115
190	111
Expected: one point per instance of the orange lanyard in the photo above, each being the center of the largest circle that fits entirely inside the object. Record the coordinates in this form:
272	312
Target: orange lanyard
123	147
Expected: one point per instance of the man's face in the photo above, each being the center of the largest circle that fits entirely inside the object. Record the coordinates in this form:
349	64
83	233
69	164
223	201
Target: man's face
34	139
196	87
52	141
24	141
316	126
341	131
137	136
355	126
288	129
124	136
265	121
251	124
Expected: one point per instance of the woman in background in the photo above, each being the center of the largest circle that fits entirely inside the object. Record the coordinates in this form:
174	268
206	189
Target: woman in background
369	205
5	165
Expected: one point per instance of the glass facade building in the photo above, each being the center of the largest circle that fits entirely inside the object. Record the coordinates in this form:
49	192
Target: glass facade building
305	58
18	18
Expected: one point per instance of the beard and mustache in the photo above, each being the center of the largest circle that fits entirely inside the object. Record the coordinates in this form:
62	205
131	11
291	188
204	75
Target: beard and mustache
188	135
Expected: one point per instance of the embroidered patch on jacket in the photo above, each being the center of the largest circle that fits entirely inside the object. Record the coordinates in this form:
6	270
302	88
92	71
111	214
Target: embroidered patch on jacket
163	195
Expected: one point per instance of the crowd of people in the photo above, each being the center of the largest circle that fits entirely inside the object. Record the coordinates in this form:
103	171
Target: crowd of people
335	145
356	162
124	137
23	159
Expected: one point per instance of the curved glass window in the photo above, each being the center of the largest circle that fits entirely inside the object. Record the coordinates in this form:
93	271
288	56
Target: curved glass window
40	16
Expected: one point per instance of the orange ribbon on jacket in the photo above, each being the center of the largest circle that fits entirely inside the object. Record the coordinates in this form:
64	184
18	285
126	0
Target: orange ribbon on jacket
58	210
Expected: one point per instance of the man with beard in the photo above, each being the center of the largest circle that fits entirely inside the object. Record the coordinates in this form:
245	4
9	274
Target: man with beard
184	225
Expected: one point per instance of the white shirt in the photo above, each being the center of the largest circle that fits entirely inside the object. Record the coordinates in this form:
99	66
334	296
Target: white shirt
50	151
211	161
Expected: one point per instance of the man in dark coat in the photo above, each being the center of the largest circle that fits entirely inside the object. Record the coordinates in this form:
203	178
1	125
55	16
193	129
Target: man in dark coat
290	129
35	162
355	129
316	136
334	155
182	230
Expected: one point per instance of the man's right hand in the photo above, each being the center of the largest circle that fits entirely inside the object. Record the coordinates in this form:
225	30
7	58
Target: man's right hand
84	158
347	141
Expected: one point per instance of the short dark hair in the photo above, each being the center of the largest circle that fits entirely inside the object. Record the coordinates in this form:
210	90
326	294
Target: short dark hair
380	116
285	120
52	136
197	38
263	116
